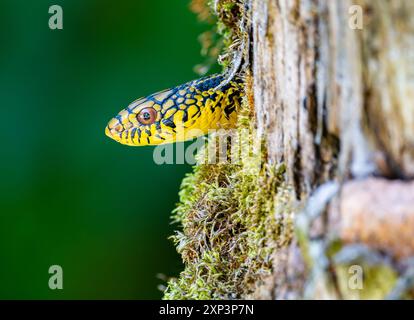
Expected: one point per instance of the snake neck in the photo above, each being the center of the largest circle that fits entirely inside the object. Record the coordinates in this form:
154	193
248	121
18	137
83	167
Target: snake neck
218	101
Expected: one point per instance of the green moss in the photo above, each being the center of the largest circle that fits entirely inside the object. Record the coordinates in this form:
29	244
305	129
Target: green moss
217	43
229	232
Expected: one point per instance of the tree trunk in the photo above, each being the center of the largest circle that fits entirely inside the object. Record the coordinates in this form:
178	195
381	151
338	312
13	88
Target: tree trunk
330	87
333	88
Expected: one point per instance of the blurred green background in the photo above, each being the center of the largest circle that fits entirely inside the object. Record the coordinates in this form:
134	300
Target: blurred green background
68	194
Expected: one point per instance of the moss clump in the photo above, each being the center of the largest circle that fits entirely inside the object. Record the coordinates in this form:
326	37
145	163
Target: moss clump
228	224
219	43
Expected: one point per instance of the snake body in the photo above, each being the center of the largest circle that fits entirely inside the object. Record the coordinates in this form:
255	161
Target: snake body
180	113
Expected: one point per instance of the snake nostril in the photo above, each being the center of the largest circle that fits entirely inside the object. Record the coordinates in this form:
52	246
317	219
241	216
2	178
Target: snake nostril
114	129
113	123
118	128
115	126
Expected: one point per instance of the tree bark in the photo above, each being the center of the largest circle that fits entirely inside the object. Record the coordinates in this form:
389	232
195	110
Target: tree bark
336	105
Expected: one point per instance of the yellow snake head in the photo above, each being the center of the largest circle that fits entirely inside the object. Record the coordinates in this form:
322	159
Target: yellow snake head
178	114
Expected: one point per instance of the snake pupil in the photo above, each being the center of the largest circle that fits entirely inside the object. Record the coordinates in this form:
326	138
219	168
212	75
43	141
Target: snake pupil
147	116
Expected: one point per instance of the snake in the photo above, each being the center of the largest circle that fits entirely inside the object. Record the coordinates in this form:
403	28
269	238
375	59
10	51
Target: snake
180	113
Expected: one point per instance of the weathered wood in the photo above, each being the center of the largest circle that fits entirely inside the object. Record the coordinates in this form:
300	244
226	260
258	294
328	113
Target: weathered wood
337	104
378	213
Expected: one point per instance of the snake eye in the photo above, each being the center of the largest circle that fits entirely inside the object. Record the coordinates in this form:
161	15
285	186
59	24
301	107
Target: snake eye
147	116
